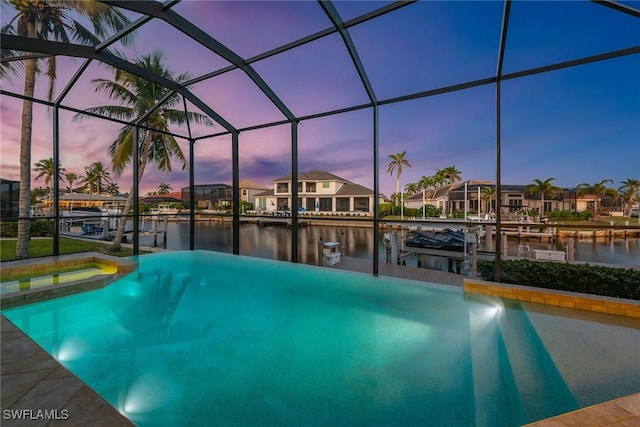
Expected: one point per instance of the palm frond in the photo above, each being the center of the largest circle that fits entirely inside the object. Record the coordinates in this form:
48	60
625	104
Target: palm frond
114	111
114	91
83	35
121	150
105	19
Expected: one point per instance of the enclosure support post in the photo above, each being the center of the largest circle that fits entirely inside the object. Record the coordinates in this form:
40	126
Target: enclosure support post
236	193
294	192
192	197
376	192
55	200
136	192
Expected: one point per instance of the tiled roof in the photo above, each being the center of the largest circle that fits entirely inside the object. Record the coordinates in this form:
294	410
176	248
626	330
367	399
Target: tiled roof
160	199
251	184
312	176
352	189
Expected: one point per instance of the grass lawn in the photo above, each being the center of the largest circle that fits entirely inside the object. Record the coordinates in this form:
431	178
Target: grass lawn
44	247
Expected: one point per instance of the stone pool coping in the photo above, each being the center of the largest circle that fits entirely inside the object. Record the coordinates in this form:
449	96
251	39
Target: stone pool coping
580	301
41	265
31	380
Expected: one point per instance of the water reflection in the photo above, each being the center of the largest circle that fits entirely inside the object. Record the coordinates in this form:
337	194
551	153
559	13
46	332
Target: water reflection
275	243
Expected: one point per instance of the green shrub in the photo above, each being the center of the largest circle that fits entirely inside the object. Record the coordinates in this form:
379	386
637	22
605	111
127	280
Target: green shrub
42	228
430	211
39	228
569	215
386	209
9	229
584	278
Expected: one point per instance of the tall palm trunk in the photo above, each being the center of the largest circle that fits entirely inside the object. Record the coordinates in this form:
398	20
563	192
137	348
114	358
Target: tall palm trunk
542	206
398	190
24	207
144	156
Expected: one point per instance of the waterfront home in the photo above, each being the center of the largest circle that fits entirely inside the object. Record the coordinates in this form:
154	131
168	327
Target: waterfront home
514	199
318	191
164	199
448	198
73	201
209	196
220	196
249	189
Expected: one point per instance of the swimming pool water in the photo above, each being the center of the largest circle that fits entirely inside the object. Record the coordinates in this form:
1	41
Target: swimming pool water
202	338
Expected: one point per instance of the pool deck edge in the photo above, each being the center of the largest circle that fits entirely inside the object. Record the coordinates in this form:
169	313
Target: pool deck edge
624	411
32	382
557	298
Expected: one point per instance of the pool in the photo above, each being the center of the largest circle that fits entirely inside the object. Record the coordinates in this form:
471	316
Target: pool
203	338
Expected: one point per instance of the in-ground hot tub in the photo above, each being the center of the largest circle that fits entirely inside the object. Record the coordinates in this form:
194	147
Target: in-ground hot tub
39	279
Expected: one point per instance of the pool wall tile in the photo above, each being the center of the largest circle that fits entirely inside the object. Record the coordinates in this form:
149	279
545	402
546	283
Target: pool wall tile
594	303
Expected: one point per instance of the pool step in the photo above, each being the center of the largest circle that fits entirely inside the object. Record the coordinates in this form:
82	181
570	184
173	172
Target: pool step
493	378
539	382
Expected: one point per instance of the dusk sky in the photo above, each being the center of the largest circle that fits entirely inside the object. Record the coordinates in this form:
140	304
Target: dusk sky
579	124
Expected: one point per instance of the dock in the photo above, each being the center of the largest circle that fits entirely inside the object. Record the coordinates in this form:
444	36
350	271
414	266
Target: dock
401	271
286	222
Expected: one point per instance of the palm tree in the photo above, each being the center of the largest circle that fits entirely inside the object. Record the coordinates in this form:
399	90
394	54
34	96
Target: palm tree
450	174
396	164
112	188
164	188
598	190
71	178
544	188
96	175
412	188
48	20
137	97
45	168
630	192
488	194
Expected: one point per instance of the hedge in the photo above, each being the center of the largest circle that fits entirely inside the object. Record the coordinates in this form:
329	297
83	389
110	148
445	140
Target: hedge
584	278
39	228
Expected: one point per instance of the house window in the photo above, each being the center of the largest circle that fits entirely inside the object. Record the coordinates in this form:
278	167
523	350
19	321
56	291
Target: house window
311	187
325	184
244	192
515	203
361	204
282	187
299	187
283	203
262	202
311	204
342	204
325	204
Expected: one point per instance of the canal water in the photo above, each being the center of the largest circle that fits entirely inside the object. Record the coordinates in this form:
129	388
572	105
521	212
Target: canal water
274	242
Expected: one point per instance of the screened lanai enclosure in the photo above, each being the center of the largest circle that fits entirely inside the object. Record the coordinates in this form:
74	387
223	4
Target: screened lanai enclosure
343	111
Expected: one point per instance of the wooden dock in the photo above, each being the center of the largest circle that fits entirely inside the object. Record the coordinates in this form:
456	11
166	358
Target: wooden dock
286	222
400	271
